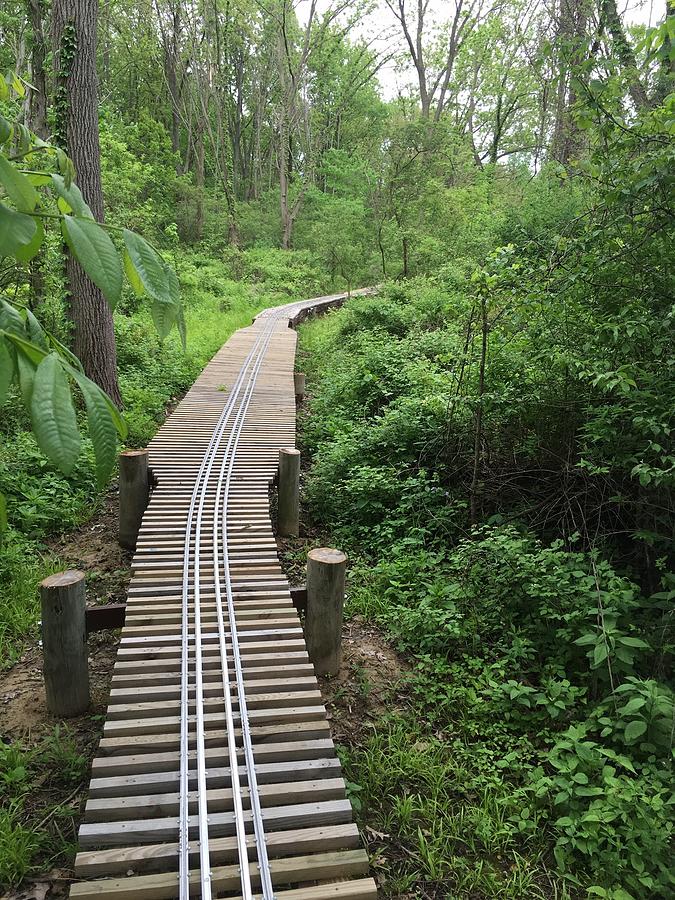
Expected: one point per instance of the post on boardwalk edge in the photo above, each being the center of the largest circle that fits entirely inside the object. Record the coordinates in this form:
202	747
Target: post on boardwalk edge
64	643
134	495
325	601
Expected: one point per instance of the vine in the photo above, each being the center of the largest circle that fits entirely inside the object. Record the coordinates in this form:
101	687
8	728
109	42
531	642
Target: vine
67	52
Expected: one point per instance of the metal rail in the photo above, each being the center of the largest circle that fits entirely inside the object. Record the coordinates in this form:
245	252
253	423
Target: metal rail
236	399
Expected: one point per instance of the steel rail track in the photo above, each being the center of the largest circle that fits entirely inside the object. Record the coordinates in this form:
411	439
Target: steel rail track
251	367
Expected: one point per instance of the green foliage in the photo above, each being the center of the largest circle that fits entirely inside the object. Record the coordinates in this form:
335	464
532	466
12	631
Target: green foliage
49	766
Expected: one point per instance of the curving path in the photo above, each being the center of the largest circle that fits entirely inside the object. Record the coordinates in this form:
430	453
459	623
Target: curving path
216	775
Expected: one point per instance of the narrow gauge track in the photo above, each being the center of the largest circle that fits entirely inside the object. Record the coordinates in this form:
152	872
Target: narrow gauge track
216	775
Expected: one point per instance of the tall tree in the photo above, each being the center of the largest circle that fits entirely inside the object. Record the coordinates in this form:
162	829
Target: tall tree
74	24
37	98
434	63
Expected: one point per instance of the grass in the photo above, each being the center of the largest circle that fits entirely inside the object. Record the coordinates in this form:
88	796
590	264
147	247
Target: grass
23	565
39	787
435	825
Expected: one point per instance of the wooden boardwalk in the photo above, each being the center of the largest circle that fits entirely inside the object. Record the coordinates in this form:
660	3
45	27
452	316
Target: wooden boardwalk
174	806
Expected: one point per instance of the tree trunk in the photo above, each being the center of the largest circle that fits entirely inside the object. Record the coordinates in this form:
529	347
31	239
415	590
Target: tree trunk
74	43
566	140
474	493
199	182
37	99
612	22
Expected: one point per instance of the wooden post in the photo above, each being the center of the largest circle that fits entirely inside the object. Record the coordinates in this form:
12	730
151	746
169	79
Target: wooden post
288	502
134	495
64	643
299	379
325	600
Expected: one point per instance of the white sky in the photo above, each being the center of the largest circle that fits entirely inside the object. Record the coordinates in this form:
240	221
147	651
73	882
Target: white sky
381	26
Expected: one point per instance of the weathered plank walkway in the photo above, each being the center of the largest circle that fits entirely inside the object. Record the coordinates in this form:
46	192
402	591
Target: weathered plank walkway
173	805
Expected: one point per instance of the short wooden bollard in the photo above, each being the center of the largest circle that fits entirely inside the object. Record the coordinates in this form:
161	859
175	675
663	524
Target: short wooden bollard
299	380
134	495
288	498
64	643
325	601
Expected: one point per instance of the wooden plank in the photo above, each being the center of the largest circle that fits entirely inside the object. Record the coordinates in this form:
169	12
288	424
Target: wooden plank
129	834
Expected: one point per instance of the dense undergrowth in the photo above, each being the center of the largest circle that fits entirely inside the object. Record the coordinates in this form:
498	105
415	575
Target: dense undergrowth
509	516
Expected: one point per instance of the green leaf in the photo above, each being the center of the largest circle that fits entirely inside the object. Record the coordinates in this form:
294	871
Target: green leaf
19	189
53	414
39	180
133	276
115	415
633	706
5	130
32	352
70	198
17	84
25	254
26	377
102	429
11	319
634	730
150	267
6	369
599	654
66	167
16	231
96	253
4	90
633	642
164	317
35	331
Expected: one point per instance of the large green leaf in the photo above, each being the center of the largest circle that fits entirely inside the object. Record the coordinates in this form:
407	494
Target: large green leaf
16	231
11	319
151	268
97	255
25	254
70	198
35	331
6	368
19	189
113	411
132	275
26	368
164	317
102	428
53	414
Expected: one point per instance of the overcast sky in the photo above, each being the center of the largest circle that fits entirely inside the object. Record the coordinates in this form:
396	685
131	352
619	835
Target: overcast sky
381	26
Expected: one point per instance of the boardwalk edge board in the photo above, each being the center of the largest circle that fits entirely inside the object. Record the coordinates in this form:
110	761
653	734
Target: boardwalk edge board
216	775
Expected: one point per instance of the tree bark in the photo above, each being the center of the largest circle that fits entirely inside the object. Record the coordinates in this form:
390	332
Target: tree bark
37	99
611	20
566	140
74	24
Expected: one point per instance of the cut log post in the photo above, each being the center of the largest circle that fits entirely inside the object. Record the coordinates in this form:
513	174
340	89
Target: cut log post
325	600
134	495
64	643
299	379
288	502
